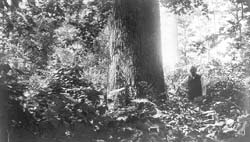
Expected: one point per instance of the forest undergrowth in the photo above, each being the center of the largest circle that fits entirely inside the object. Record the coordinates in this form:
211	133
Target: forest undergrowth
69	108
55	59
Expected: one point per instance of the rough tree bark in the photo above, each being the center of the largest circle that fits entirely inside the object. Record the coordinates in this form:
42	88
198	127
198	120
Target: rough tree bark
3	114
4	100
135	46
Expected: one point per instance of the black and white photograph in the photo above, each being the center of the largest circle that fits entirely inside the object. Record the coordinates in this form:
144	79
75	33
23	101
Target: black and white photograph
124	70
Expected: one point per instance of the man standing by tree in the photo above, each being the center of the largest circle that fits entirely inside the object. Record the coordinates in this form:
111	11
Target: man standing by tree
194	84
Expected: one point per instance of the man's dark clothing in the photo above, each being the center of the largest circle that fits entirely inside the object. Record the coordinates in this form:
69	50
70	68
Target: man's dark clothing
194	87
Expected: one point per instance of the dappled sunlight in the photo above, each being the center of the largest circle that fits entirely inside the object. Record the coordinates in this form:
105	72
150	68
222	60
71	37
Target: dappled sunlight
197	38
90	70
168	39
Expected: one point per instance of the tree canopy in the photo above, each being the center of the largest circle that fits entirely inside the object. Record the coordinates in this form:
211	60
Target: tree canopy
55	59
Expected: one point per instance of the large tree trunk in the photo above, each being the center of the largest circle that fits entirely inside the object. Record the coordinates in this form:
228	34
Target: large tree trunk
4	99
135	46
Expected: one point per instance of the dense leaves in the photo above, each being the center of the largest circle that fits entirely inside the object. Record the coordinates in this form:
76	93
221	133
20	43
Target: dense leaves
185	6
53	76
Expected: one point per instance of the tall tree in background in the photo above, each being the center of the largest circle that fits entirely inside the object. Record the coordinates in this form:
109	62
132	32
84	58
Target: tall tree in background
135	46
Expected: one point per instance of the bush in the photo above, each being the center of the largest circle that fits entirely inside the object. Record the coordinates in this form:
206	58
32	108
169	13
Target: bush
69	107
66	100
